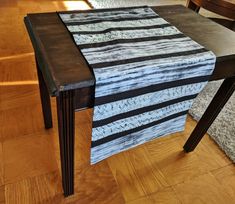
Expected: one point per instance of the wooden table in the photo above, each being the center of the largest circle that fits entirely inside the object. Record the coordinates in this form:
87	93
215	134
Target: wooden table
63	73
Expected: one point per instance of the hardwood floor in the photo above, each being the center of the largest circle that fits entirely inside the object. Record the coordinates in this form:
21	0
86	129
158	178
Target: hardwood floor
157	172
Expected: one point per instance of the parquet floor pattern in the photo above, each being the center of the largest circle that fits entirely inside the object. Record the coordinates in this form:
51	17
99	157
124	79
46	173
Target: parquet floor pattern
157	172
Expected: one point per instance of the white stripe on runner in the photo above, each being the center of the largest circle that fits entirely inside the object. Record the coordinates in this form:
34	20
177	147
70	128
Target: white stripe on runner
139	49
118	14
104	25
108	149
104	74
122	106
139	120
123	34
135	83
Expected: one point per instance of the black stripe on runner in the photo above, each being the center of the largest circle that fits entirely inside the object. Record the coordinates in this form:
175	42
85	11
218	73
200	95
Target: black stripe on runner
130	40
131	113
151	57
153	88
109	20
123	28
127	132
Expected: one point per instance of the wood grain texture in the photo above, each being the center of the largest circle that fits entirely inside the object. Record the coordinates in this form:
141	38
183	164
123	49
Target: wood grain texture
24	121
40	189
2	194
175	165
206	149
30	174
1	166
14	11
226	178
165	196
14	69
135	174
20	153
209	191
102	186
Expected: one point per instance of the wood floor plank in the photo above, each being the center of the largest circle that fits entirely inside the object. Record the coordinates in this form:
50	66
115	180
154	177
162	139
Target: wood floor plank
95	184
207	148
133	170
2	194
226	177
18	122
164	196
151	178
209	157
214	149
40	189
18	96
125	176
18	68
28	156
12	43
176	165
1	166
202	189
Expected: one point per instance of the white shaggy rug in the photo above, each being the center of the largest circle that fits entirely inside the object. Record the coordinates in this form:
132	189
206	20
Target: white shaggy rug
223	128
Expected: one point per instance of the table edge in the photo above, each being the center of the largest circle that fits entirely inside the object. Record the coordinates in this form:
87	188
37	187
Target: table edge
54	86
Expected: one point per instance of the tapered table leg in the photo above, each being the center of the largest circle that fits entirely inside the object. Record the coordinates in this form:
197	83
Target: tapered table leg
45	99
66	114
221	97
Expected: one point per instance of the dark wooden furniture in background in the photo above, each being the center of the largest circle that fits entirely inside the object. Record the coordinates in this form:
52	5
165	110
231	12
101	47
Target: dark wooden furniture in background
63	73
225	8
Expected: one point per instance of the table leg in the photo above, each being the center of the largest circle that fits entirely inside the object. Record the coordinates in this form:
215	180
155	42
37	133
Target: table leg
45	99
221	97
66	118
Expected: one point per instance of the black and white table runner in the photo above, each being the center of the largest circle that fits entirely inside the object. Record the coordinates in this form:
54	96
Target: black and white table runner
147	75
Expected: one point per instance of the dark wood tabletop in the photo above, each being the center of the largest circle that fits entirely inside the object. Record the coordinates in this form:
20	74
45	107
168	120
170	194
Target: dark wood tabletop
64	68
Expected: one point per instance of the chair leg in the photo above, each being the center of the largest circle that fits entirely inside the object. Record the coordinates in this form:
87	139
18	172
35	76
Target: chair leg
193	6
45	99
66	119
221	97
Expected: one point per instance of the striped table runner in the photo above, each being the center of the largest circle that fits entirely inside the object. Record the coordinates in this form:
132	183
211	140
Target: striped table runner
147	75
